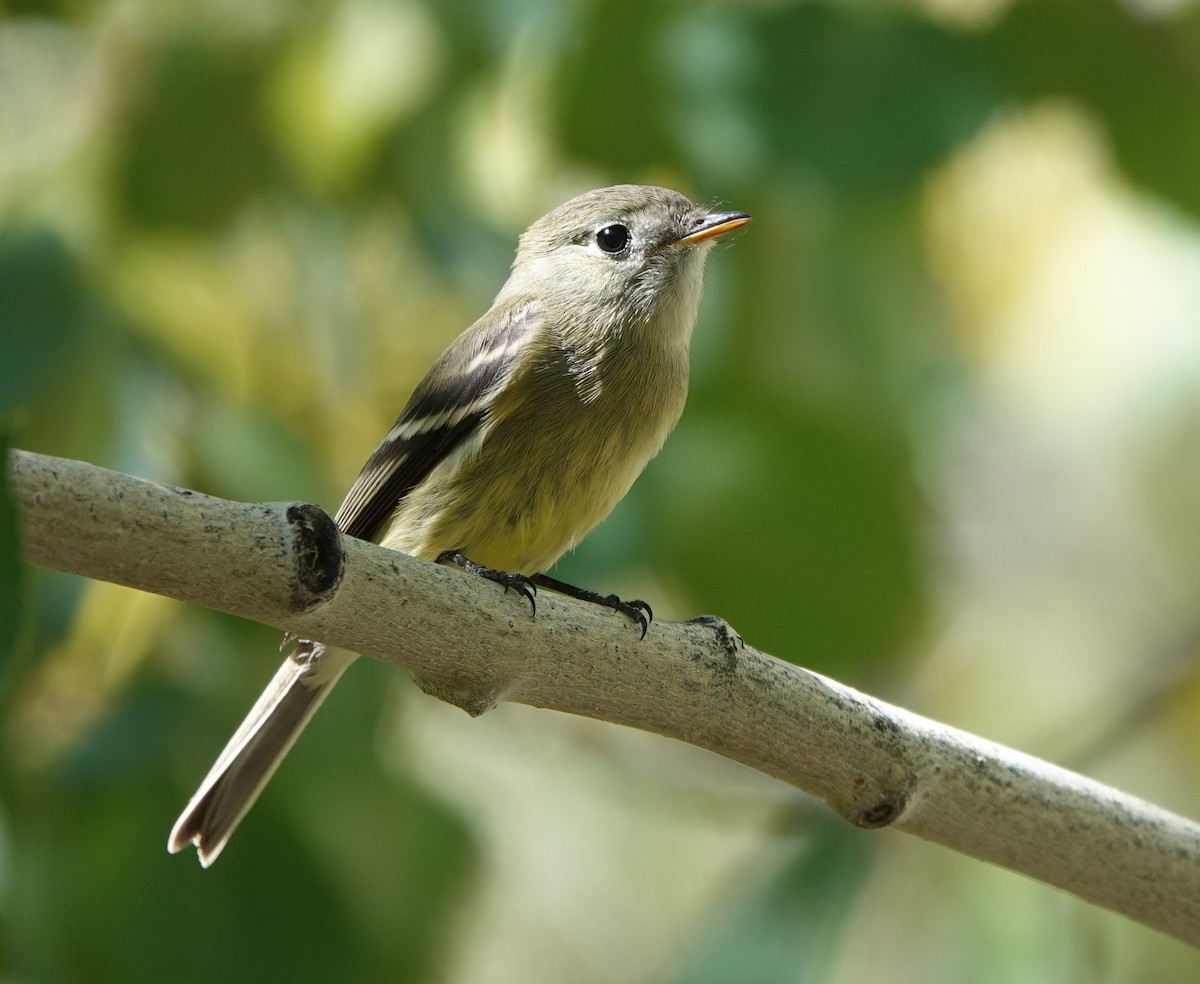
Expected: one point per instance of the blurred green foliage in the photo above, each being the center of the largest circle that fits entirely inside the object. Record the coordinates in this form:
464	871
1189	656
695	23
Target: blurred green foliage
199	129
42	305
233	238
10	571
791	927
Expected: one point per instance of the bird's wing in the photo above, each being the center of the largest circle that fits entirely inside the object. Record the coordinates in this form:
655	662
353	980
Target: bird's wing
448	404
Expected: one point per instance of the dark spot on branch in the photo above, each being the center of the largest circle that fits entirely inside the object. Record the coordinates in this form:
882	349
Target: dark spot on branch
729	641
317	547
880	814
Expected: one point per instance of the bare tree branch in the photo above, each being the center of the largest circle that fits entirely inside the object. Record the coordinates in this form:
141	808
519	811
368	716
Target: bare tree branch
877	765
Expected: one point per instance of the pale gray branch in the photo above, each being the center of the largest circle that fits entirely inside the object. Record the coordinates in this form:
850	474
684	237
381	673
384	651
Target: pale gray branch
875	764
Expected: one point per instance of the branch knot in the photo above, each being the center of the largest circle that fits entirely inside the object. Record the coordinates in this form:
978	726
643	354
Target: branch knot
317	547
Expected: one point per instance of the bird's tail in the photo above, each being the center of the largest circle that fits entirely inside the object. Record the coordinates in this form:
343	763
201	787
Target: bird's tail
256	749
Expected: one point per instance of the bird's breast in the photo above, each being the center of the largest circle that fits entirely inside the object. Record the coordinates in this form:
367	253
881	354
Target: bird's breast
559	450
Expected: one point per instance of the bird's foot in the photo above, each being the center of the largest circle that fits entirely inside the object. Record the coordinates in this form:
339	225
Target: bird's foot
636	610
519	583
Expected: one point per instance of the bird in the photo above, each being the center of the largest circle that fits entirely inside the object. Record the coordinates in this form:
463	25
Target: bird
524	434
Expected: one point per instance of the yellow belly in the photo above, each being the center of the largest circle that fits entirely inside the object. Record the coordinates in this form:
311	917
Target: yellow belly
537	477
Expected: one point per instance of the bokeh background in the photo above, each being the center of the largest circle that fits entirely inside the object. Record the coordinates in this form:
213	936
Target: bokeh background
943	443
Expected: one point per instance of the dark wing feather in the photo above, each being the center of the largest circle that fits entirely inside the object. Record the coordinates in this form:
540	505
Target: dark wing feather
447	405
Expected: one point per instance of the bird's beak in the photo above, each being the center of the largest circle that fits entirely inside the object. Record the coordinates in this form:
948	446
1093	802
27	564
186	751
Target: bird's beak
712	225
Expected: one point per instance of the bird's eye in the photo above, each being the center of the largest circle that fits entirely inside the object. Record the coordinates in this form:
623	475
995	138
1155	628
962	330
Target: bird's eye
613	238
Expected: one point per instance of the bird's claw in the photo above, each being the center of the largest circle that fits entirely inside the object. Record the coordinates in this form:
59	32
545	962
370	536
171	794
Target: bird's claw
637	610
520	583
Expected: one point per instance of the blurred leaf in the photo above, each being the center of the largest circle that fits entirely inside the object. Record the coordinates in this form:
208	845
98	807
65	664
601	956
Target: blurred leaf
92	867
10	565
251	457
42	304
611	103
401	858
790	929
1136	73
867	98
803	539
196	150
709	59
347	83
37	8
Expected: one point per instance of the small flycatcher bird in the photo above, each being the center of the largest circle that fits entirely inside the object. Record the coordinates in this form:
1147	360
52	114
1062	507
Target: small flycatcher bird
523	436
